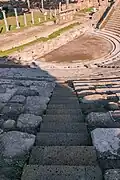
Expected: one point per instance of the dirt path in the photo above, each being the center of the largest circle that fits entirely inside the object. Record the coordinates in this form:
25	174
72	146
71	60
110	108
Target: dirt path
86	47
14	39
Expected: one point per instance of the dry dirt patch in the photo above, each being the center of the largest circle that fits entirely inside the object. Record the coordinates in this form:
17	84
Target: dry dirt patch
86	47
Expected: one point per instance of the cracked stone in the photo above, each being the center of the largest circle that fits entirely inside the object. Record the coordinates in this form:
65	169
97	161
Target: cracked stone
28	122
18	99
27	92
107	142
5	97
12	110
43	91
15	148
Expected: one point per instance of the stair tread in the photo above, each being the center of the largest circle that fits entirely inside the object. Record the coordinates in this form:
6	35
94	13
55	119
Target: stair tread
62	127
64	101
64	111
60	106
63	118
35	172
63	155
63	139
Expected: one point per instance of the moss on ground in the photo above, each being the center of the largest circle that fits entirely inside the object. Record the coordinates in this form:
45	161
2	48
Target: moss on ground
41	39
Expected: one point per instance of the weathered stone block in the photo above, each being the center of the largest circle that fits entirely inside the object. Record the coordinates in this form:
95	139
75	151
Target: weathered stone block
27	92
36	105
112	174
18	99
12	110
15	148
9	124
62	139
28	122
100	119
93	98
64	155
107	142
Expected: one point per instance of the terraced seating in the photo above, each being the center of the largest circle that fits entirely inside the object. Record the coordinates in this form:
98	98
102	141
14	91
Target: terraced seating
111	31
100	104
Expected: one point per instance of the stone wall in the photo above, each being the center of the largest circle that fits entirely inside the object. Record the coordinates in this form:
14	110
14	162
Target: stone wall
37	50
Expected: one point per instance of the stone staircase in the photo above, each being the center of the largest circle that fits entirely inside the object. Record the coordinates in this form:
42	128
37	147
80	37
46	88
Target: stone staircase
100	104
63	148
113	23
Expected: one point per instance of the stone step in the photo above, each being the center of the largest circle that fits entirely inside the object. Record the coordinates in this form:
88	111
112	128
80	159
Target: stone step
63	127
112	27
63	139
111	23
112	30
66	98
63	155
64	101
34	172
64	94
65	89
62	118
63	106
64	111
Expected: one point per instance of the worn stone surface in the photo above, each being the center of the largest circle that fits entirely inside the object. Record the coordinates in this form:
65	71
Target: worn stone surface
100	119
32	172
1	131
12	110
24	87
113	106
107	142
27	92
15	147
9	124
2	89
67	127
5	97
62	139
64	155
28	122
112	174
85	93
36	104
93	98
18	99
1	122
63	118
116	115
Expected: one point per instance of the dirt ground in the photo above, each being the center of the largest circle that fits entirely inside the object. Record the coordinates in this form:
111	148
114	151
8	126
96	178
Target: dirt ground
86	47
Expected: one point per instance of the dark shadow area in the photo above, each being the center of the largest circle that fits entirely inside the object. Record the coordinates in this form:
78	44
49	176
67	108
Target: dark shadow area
15	75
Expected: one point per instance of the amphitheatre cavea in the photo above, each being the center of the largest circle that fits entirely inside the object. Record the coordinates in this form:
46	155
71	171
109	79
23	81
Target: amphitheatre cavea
60	90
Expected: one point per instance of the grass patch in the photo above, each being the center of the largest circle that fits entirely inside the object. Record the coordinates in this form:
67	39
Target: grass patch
90	9
42	39
12	21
